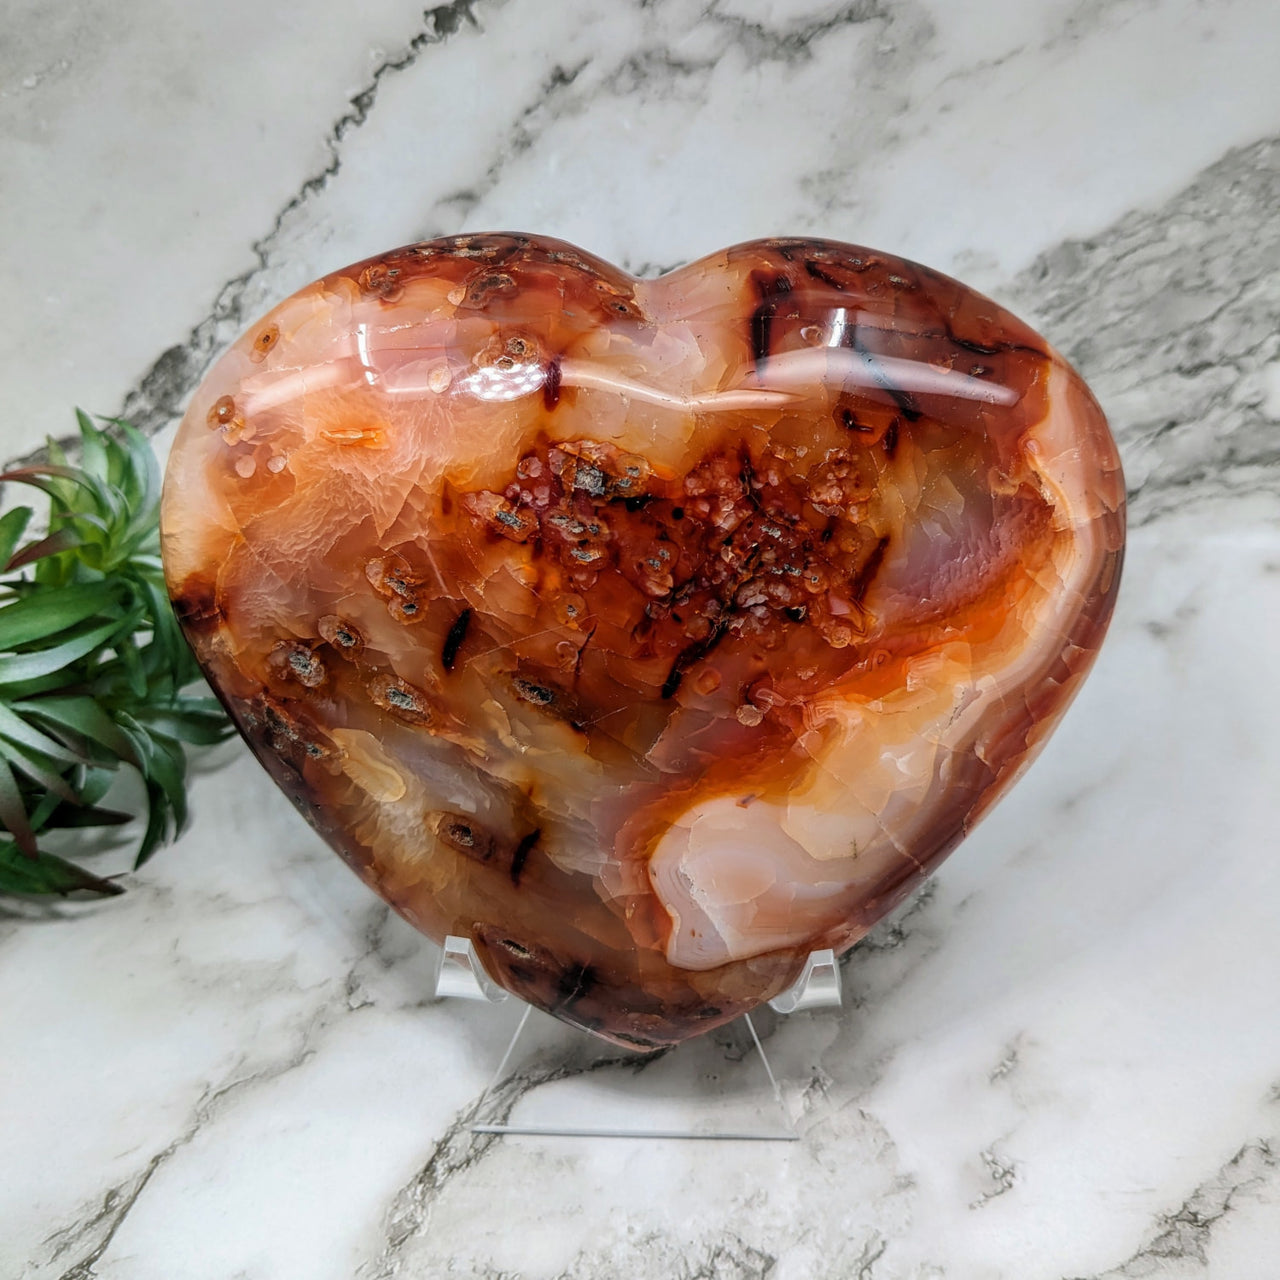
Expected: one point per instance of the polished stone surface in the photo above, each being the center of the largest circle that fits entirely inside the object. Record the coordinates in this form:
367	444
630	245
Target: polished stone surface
649	634
1059	1059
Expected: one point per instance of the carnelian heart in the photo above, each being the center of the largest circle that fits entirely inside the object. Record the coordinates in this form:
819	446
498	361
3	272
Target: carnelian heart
651	633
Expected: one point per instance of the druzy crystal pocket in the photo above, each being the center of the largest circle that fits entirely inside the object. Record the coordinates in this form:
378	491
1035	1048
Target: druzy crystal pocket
651	634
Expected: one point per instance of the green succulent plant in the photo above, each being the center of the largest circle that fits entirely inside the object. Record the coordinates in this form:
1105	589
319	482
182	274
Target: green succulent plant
95	675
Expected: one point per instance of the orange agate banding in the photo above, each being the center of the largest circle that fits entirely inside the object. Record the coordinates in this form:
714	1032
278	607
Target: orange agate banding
650	633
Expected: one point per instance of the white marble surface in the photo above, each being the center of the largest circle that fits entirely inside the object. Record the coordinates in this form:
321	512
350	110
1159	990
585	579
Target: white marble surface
1062	1062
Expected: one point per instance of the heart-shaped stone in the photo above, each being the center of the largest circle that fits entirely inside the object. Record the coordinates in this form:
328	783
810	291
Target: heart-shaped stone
651	633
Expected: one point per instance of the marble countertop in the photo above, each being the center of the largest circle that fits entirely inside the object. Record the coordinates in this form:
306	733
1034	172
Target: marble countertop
1061	1061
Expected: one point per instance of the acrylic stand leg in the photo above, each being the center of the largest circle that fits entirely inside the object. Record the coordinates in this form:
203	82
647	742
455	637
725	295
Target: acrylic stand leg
556	1081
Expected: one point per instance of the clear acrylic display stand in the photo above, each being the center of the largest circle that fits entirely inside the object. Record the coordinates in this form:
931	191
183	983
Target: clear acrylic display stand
554	1080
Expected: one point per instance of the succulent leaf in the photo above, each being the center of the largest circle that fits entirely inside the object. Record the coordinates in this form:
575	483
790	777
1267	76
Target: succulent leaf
95	675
